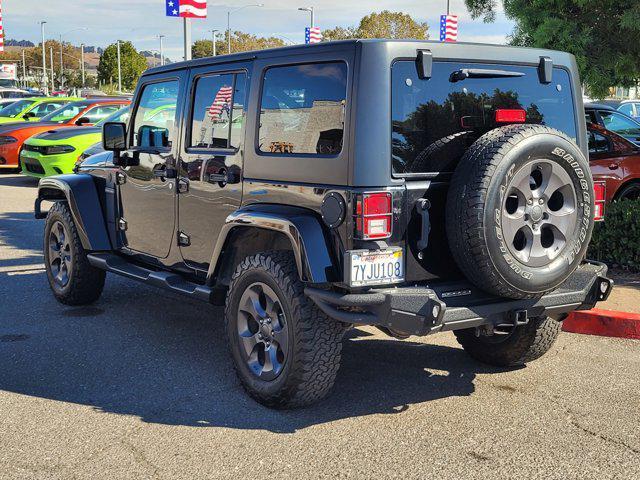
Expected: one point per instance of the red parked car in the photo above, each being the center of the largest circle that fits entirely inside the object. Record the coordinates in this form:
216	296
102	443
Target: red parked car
616	161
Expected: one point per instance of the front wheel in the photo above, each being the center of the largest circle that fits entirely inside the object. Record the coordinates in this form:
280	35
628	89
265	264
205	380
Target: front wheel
514	346
73	280
285	351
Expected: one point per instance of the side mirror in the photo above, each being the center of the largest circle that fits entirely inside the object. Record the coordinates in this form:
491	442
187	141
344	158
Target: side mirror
28	115
83	120
114	136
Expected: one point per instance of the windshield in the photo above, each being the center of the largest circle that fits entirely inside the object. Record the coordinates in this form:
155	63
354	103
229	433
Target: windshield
65	113
16	108
436	120
121	115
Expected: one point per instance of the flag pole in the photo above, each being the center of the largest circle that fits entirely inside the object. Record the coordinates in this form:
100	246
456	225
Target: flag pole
187	38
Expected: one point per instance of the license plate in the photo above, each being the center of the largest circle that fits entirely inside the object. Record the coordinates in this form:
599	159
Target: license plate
374	267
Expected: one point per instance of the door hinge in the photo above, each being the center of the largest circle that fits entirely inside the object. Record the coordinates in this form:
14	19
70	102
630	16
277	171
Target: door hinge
183	185
122	224
184	240
121	178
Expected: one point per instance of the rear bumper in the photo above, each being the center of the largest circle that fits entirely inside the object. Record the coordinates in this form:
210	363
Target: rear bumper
422	309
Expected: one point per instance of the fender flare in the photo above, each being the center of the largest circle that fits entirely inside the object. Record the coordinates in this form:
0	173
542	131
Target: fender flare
301	226
81	194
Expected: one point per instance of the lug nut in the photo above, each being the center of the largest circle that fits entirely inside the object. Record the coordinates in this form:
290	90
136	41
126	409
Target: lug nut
541	201
260	336
268	320
530	202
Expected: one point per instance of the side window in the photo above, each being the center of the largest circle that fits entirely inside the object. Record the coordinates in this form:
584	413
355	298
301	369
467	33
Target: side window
45	108
218	111
99	112
155	121
598	143
302	110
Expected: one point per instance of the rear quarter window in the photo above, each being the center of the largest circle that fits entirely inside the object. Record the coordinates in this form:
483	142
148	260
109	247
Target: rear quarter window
434	121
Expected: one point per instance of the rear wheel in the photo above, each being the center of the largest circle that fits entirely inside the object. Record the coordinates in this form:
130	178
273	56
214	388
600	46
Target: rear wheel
511	346
73	280
285	351
631	191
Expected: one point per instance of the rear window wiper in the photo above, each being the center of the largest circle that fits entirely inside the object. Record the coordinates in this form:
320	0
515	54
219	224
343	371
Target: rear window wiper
464	73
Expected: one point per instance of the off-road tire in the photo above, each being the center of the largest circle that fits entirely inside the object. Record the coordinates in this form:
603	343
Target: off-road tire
85	283
315	340
474	198
438	156
525	344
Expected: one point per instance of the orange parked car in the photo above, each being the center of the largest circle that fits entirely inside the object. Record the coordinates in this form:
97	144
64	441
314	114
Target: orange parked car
83	112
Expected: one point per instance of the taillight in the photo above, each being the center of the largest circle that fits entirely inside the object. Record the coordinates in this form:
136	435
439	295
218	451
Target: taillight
599	194
373	216
505	115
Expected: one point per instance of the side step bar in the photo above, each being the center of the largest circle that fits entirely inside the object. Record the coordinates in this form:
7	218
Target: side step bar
170	281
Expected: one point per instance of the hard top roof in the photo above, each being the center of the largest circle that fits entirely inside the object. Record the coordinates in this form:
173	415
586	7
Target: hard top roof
327	46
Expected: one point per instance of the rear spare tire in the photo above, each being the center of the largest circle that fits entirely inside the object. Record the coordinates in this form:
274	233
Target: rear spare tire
519	210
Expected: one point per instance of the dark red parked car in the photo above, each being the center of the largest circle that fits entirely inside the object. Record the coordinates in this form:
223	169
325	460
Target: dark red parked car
616	161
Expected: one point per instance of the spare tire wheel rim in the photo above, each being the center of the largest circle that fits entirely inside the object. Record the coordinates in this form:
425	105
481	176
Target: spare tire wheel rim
539	212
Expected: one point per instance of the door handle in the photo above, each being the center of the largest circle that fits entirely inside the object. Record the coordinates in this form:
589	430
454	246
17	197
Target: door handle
165	173
613	166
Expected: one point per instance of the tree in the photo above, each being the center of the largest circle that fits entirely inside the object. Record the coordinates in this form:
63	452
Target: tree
604	35
132	65
385	24
240	42
202	48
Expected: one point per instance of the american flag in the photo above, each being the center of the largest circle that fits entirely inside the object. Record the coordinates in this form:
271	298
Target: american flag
1	30
186	8
221	103
448	28
312	35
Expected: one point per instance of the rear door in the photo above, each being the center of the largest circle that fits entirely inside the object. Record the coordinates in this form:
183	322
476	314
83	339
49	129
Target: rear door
211	158
147	190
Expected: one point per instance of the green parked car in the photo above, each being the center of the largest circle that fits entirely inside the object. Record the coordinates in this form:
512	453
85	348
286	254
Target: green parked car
55	152
32	109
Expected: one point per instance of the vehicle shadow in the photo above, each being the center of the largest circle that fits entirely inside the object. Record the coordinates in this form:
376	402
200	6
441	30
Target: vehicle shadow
18	180
163	358
19	231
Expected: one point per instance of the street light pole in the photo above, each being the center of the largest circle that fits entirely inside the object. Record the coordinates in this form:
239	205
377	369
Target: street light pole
311	10
53	86
213	41
229	32
119	70
82	62
61	65
229	12
44	60
161	50
24	70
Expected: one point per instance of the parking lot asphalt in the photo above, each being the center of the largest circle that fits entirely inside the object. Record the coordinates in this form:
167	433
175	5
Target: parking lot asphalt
139	385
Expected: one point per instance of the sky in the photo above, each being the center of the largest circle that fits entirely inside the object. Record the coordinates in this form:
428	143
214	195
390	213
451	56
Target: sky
141	21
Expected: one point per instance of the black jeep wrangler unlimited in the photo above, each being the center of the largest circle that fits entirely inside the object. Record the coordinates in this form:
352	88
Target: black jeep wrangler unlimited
416	186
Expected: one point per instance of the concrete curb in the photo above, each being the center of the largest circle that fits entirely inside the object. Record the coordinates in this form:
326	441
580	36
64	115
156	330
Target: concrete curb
606	323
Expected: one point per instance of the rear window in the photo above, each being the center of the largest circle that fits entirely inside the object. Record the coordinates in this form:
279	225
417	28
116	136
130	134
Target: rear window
436	120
